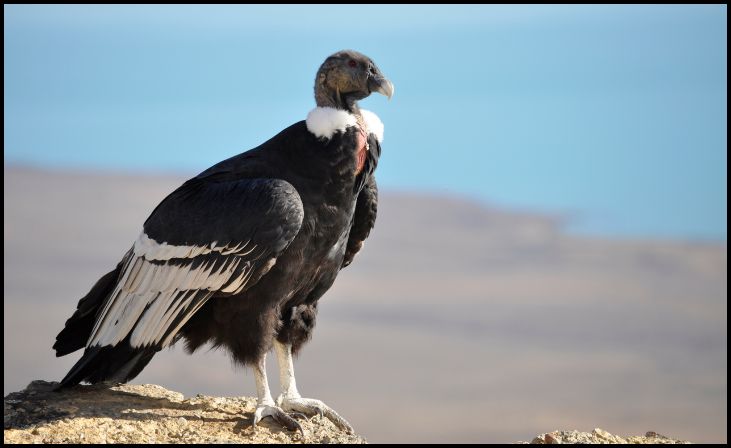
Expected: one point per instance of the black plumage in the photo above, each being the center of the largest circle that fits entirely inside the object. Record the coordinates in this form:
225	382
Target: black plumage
240	255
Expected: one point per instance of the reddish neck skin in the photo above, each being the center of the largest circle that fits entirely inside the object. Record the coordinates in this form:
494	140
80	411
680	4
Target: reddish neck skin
362	148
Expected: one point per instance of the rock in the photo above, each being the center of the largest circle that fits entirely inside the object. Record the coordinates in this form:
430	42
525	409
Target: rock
599	435
602	434
146	414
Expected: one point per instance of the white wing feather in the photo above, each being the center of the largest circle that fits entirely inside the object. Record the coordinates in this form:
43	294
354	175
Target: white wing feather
151	295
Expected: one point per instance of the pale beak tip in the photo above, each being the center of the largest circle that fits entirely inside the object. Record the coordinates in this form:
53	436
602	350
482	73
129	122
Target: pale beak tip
386	88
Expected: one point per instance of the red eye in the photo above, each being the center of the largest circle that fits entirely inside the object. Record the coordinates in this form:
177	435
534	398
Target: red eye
352	63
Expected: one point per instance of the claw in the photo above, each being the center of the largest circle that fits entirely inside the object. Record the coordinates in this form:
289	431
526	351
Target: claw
288	422
311	407
278	415
339	421
320	410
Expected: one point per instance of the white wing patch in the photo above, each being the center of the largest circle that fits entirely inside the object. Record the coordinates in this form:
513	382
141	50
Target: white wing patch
152	250
154	293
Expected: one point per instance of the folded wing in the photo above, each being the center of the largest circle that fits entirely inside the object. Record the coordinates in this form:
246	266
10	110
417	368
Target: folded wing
206	238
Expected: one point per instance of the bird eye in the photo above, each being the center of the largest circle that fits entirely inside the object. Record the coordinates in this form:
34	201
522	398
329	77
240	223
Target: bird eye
352	63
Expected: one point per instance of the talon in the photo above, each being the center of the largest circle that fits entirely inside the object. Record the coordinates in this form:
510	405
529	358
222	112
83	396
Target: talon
289	423
314	409
278	415
339	421
311	407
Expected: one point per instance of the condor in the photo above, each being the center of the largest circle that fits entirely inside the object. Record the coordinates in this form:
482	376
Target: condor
240	255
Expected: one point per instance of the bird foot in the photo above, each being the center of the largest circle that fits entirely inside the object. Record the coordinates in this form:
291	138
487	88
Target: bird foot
310	407
279	416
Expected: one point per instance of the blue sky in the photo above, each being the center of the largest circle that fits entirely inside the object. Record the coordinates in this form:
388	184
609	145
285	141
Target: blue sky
612	115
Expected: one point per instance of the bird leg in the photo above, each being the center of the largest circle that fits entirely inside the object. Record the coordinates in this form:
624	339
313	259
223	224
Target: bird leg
265	405
291	400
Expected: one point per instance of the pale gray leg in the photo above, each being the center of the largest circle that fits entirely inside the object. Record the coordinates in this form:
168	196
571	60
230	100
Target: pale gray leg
291	400
265	405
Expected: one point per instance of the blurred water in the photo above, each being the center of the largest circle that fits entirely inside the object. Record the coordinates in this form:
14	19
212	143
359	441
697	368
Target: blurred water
615	113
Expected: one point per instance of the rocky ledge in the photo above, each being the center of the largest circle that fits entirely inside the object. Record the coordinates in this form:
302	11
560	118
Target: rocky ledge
146	414
152	414
599	436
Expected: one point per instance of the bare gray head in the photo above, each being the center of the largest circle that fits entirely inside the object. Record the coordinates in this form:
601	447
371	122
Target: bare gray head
346	77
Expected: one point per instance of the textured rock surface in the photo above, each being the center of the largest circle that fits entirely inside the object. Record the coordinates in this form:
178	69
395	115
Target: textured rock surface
146	414
599	435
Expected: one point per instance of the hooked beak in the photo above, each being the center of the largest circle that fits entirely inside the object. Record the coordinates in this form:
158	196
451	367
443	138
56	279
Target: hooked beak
381	85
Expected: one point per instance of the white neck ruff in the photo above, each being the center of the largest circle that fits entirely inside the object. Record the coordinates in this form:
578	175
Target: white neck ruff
324	122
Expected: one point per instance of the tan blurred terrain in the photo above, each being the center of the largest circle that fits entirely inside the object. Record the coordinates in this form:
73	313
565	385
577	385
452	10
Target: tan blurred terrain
457	322
148	414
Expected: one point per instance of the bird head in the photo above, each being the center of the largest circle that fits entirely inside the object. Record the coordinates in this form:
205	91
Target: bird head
346	77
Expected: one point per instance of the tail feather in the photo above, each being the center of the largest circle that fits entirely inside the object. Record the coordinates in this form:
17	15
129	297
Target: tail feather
118	364
78	327
80	370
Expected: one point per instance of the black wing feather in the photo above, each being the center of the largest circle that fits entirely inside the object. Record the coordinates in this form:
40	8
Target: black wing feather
364	219
204	210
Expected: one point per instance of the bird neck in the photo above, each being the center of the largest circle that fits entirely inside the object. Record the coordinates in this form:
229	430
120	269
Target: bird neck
333	98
